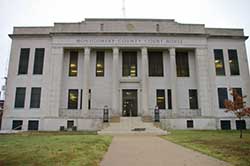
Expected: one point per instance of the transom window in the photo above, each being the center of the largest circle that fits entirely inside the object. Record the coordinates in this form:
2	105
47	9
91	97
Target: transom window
182	64
129	64
155	61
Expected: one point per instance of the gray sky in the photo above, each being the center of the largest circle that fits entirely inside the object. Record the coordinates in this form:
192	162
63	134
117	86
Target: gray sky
212	13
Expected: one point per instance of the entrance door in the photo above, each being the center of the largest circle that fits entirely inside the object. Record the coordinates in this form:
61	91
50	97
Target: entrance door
129	102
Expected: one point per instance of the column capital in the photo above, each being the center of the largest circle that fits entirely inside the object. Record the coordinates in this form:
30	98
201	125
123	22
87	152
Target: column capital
86	50
115	50
144	50
171	51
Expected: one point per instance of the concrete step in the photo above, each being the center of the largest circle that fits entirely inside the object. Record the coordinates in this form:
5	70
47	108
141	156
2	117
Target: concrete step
131	126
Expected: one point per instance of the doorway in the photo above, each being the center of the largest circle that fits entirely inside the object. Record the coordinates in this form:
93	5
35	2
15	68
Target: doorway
129	102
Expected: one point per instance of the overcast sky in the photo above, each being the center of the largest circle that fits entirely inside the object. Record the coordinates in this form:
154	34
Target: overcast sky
212	13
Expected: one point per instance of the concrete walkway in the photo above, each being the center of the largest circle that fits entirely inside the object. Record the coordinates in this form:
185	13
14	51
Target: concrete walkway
153	151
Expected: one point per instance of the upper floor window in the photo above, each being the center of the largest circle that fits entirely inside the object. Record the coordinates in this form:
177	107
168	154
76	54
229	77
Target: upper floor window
193	99
100	63
160	98
219	62
38	62
238	91
73	63
24	61
157	27
73	99
233	62
155	60
20	97
35	98
182	65
129	64
222	96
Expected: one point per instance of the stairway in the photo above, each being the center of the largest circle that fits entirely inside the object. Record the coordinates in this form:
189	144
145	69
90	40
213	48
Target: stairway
131	126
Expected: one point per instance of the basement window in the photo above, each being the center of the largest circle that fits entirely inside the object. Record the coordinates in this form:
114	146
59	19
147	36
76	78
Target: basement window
190	124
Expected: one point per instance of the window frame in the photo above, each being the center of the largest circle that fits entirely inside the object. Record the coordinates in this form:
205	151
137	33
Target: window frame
38	61
72	105
35	97
131	58
100	59
182	64
155	64
23	94
193	99
234	67
23	65
161	103
72	61
219	56
220	98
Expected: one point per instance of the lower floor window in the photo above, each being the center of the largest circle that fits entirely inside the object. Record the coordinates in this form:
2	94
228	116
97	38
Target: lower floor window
225	125
70	124
190	124
33	124
240	124
17	124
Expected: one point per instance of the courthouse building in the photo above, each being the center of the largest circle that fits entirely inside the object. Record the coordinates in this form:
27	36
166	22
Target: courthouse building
64	75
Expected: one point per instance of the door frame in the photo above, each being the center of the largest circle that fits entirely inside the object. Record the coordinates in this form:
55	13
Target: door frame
137	100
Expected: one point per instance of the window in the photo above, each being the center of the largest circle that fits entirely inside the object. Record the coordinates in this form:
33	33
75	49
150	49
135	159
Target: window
190	124
20	97
89	100
81	100
222	96
193	99
238	90
157	27
101	27
24	61
160	98
70	124
73	99
100	64
225	125
33	124
17	124
73	60
240	124
219	62
155	61
233	62
169	99
35	98
182	64
129	64
38	62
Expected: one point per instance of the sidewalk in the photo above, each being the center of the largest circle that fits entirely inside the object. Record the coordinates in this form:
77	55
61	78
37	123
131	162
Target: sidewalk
153	151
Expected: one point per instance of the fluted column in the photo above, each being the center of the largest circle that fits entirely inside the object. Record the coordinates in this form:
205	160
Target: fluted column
173	79
115	82
86	71
144	76
204	98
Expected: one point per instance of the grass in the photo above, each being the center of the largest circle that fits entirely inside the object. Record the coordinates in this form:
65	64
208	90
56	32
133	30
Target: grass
53	148
224	145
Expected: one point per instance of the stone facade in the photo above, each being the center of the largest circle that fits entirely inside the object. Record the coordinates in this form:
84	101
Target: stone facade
114	36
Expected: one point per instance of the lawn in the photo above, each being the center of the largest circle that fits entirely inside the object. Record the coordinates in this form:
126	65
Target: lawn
224	145
53	148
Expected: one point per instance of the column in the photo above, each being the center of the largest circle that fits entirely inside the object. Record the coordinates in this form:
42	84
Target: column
173	79
204	98
55	81
86	71
115	83
144	81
